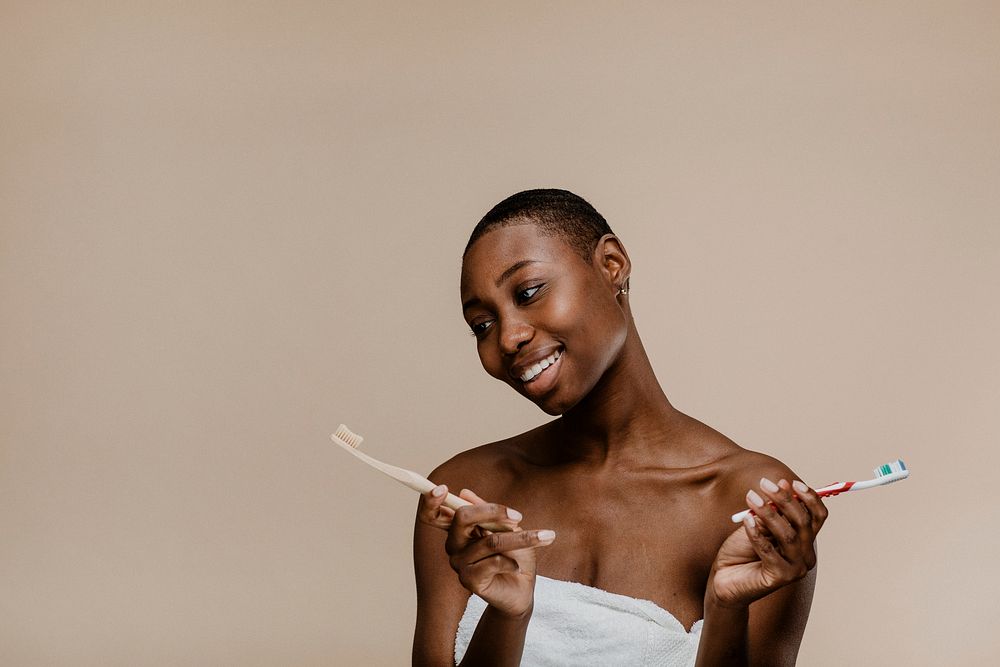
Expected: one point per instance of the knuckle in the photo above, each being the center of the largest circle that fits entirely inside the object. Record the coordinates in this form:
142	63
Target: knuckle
494	541
425	509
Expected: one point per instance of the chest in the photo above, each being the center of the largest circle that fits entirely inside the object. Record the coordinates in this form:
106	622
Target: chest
642	536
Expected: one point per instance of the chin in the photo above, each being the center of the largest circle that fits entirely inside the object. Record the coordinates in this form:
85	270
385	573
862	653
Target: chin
550	405
553	406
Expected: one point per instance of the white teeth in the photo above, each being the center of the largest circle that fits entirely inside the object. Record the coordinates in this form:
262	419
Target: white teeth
539	367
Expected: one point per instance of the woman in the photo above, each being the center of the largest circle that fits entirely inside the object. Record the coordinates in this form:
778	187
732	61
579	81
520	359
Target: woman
622	494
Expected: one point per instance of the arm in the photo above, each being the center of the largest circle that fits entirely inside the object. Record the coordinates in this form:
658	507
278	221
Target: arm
760	588
767	632
441	599
499	567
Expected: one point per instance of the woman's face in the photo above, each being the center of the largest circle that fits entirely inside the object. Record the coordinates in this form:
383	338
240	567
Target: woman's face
546	322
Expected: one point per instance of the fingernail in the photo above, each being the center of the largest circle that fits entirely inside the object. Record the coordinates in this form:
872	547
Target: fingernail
514	514
750	520
754	499
438	490
768	485
800	487
546	536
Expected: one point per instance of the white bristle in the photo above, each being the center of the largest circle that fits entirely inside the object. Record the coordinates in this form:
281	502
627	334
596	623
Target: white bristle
348	436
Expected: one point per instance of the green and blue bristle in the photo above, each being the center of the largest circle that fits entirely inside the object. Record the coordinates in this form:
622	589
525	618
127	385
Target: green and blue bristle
890	468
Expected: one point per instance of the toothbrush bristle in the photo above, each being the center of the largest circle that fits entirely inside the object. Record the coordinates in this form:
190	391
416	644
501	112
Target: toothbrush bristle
348	436
890	468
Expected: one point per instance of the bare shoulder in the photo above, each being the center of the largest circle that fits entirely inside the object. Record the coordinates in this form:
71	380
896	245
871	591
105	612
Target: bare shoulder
734	469
487	469
744	469
736	464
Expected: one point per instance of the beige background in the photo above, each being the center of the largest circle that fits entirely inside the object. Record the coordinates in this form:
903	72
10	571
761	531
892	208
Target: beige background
227	227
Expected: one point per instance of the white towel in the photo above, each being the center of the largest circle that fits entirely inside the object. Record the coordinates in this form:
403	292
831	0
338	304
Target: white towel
573	624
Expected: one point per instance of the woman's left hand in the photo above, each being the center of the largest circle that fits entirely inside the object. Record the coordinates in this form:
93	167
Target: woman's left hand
771	550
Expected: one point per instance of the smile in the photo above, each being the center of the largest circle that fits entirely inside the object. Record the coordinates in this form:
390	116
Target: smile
536	370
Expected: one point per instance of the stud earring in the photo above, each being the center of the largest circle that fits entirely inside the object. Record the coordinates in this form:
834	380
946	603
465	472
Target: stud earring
624	288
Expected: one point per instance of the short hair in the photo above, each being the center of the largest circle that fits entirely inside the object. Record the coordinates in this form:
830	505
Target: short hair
554	212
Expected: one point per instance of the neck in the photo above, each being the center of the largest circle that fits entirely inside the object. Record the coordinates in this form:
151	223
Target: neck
624	415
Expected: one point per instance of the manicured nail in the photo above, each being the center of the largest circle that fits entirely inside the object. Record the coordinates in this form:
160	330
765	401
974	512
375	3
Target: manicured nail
546	536
750	520
800	487
438	490
768	485
514	514
754	499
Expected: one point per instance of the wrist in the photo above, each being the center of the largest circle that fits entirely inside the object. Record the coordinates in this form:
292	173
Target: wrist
724	632
720	607
514	616
733	610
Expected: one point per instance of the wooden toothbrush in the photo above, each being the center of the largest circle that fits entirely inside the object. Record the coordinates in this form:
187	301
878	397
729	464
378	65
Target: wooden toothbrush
351	441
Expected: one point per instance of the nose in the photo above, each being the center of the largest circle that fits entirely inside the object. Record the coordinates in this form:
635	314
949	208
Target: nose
514	333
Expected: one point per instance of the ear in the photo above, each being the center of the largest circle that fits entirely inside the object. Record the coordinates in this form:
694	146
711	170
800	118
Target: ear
612	261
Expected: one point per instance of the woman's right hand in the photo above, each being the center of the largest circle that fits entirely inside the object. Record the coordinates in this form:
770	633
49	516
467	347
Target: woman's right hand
499	567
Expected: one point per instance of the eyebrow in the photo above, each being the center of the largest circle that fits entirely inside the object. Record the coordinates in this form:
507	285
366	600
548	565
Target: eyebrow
512	269
503	277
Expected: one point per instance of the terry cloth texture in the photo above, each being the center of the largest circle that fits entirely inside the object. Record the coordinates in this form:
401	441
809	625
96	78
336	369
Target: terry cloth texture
574	624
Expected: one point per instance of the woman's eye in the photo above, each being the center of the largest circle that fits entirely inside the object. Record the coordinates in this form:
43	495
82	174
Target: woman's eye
479	328
526	294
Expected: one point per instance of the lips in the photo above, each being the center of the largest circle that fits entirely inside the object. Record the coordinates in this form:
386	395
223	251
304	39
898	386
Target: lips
528	370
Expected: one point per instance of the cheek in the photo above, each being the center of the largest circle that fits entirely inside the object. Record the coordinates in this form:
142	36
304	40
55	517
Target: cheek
600	332
490	361
567	316
575	318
